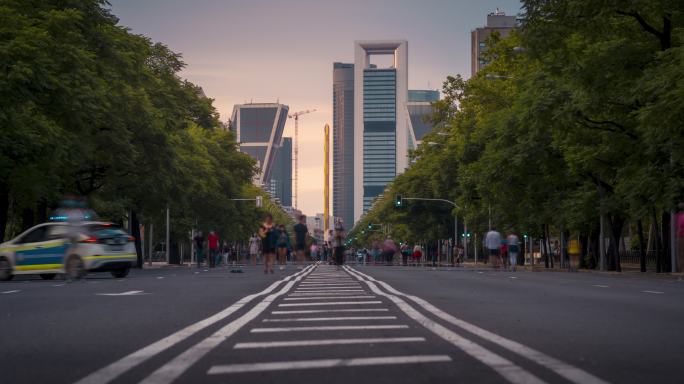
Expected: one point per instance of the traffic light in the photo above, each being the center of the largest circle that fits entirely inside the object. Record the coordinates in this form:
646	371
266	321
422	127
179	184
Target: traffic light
525	236
398	201
370	226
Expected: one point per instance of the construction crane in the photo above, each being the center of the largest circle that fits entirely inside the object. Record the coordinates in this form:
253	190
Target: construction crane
295	116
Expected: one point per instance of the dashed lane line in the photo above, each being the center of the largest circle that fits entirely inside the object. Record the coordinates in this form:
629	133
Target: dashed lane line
170	371
504	367
312	311
348	318
12	291
600	286
119	367
329	297
315	343
328	328
330	303
654	292
567	371
327	363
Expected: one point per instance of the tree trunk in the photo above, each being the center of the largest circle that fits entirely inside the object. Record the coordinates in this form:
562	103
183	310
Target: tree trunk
542	247
548	242
665	230
41	209
656	241
4	209
584	249
135	232
616	225
642	251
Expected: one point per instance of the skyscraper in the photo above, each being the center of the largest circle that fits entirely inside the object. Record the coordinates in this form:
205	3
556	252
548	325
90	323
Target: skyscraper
380	132
418	112
259	131
281	178
496	22
343	142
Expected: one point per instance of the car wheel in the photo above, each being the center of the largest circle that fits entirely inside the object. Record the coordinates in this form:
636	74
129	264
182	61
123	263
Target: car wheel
47	276
5	270
120	273
74	268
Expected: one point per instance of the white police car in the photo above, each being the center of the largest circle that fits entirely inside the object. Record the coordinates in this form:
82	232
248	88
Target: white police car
58	247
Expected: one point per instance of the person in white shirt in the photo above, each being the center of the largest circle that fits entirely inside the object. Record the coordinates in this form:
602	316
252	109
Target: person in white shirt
493	245
513	249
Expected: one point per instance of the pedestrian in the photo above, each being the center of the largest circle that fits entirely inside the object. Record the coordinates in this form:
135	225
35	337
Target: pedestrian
282	246
417	254
213	244
314	251
376	253
493	245
199	248
504	253
225	252
268	242
405	253
338	244
301	231
389	248
254	248
460	251
513	250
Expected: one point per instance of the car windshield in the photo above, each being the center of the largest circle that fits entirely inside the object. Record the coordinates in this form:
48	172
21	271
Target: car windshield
105	230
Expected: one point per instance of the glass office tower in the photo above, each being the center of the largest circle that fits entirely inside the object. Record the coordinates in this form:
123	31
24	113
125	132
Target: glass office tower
343	143
380	123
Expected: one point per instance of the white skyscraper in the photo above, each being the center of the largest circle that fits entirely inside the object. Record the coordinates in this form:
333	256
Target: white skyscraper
380	121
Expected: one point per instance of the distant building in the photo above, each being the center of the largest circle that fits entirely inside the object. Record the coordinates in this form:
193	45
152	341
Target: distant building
343	142
380	131
281	177
418	111
259	130
496	22
422	95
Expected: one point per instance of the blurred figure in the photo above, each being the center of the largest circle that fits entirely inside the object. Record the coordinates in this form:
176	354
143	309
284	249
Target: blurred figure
282	246
338	244
493	245
513	250
199	248
417	254
405	253
389	248
254	248
301	231
268	242
213	243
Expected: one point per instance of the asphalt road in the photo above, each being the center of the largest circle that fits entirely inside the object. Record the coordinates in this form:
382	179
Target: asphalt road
360	324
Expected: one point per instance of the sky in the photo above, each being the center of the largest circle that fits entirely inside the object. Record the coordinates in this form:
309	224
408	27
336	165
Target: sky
283	51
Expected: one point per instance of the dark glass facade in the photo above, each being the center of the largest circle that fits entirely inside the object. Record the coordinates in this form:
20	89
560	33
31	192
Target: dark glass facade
379	131
343	142
282	173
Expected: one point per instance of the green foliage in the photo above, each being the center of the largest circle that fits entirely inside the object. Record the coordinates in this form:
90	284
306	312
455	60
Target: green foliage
90	108
585	118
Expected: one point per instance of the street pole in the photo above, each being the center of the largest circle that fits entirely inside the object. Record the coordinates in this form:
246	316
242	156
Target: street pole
465	241
149	247
476	246
602	245
673	242
168	233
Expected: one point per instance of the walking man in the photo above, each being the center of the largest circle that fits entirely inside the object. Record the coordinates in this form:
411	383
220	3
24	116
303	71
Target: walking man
301	231
213	242
254	248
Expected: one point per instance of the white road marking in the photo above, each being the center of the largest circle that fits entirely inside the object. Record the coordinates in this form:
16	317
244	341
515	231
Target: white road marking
127	293
326	293
331	319
175	368
507	369
655	292
329	289
331	303
567	371
328	328
12	291
599	286
160	277
117	368
314	343
307	311
326	363
512	277
58	285
329	297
